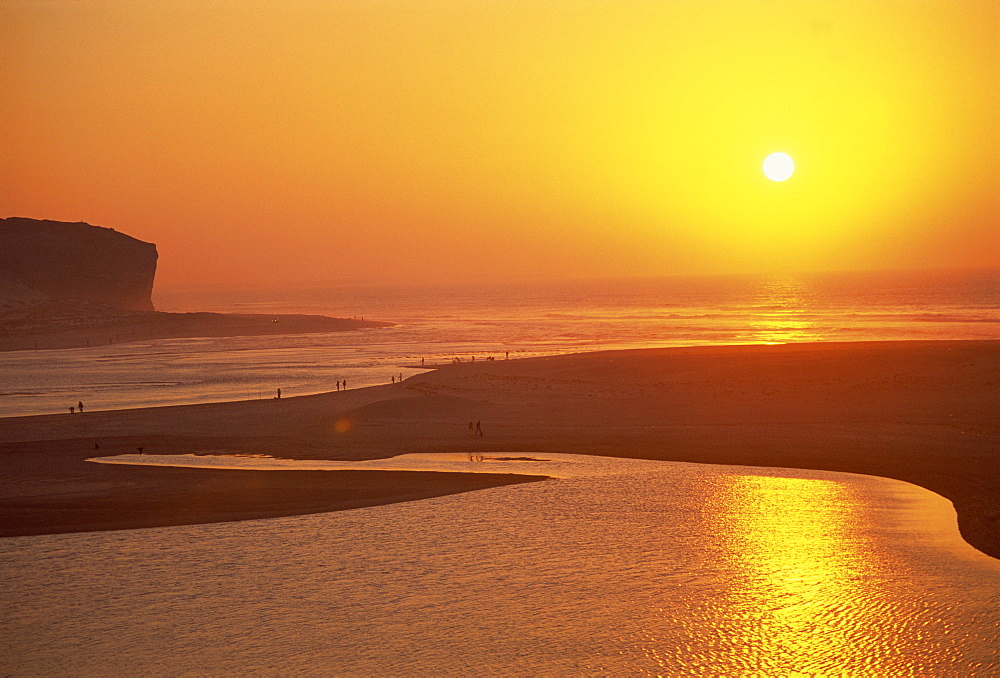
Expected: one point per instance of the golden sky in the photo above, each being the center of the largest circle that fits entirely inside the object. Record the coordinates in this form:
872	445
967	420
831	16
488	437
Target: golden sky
260	143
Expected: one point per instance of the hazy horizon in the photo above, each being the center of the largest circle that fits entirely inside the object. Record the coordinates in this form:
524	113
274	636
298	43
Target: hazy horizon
272	144
378	283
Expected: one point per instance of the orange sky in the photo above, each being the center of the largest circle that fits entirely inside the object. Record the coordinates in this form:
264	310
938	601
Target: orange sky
259	143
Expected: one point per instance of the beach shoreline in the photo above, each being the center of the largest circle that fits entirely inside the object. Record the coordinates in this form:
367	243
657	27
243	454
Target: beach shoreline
122	327
919	411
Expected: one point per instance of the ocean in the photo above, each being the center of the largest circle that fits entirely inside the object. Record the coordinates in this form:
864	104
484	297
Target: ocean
439	323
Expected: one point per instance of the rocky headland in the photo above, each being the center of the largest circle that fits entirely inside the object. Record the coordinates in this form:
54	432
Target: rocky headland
68	285
57	261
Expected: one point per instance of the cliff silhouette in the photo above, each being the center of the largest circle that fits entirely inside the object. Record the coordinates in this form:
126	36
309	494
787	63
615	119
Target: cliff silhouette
67	285
62	262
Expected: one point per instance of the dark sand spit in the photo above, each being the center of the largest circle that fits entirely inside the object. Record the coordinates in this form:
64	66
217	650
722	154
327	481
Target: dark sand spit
925	412
50	326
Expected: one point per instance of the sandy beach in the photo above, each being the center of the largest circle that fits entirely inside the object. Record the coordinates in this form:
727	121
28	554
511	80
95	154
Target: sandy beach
922	412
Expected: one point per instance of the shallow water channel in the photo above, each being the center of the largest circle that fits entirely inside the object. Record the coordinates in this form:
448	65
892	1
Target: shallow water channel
612	567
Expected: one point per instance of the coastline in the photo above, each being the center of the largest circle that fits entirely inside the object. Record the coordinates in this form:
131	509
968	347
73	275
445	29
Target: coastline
920	411
119	327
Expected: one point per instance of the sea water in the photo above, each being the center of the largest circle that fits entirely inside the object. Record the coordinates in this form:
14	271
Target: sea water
613	567
435	324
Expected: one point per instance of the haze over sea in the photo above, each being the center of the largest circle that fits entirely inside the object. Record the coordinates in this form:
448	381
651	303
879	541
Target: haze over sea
440	323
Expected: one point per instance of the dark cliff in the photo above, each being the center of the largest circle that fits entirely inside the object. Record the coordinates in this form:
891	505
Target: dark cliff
63	261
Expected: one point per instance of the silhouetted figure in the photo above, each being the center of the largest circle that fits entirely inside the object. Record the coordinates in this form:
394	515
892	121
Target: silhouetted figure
392	379
506	355
139	450
421	362
79	406
279	394
400	377
479	429
344	383
472	429
72	410
96	446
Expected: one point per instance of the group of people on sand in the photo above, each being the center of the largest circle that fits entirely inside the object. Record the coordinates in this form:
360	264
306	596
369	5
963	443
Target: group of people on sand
477	430
457	360
79	407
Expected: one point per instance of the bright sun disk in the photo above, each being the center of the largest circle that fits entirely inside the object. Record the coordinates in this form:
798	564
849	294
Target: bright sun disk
778	166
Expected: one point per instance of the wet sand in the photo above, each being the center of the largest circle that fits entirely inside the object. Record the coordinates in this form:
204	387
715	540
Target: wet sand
922	412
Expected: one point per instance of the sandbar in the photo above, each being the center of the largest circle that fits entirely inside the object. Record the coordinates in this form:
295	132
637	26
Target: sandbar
76	328
924	412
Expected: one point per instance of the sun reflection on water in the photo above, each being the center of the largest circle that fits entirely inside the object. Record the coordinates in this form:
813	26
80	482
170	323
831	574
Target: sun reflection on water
794	581
782	303
794	546
797	592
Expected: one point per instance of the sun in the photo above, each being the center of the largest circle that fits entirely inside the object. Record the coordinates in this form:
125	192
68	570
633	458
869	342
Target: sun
778	166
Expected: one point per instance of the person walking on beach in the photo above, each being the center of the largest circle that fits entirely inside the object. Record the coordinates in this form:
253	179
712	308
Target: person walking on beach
338	384
73	409
344	383
479	429
392	379
79	406
279	394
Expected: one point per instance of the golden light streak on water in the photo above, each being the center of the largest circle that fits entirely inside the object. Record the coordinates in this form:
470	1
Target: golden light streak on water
795	578
782	302
788	542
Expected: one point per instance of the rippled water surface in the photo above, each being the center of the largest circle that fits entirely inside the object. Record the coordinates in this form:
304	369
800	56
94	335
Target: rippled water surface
617	567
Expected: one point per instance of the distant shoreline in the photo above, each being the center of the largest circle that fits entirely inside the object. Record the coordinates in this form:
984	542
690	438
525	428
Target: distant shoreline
132	326
918	411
